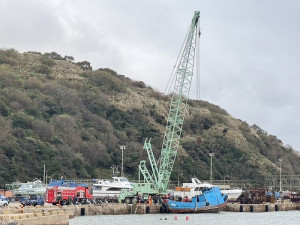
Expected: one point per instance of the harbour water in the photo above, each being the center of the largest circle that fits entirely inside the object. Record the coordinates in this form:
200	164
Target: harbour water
224	218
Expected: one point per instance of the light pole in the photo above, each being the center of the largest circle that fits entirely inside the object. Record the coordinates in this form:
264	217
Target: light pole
225	178
46	176
211	155
122	147
280	160
178	179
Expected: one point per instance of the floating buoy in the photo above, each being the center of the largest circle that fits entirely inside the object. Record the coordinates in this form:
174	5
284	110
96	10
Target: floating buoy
175	217
187	218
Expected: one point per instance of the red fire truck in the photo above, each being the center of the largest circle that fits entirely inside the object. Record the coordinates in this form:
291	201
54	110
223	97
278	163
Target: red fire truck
66	195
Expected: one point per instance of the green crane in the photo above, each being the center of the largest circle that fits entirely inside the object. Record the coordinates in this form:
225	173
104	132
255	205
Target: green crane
157	182
177	110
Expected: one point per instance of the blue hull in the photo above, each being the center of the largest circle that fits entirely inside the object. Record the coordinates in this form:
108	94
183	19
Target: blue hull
210	201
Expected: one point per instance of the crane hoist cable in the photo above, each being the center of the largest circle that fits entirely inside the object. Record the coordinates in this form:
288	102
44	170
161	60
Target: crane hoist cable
172	76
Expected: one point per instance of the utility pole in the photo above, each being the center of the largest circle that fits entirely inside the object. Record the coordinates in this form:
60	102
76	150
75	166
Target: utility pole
280	160
225	178
178	179
211	155
122	147
46	180
44	174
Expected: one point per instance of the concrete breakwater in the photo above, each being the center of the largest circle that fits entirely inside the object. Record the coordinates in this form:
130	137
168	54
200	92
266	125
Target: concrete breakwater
54	215
266	207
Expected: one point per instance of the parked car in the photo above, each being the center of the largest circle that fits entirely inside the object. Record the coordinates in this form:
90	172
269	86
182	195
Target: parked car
5	198
3	201
32	200
20	198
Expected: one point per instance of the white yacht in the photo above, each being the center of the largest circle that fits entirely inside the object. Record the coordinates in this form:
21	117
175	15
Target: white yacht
196	187
109	190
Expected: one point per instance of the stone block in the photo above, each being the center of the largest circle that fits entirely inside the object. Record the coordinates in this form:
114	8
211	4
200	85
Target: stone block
46	213
60	212
22	216
29	215
14	217
39	214
6	212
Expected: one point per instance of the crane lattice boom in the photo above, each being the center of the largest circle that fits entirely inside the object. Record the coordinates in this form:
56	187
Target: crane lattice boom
157	182
177	109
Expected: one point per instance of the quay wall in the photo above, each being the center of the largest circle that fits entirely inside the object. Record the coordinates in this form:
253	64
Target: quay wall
266	207
55	215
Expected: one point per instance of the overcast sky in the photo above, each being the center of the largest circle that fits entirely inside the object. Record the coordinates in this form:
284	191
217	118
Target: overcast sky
249	49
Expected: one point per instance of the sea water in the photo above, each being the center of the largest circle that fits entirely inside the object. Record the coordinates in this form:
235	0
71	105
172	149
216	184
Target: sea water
223	218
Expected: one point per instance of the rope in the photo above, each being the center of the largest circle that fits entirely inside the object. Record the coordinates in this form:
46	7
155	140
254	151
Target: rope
173	74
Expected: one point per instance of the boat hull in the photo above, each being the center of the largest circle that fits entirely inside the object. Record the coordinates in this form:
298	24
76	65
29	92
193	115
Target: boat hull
210	201
204	209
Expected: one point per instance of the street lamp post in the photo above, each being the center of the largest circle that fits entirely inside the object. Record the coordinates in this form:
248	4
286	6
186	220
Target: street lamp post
225	178
178	179
280	160
211	155
46	176
122	147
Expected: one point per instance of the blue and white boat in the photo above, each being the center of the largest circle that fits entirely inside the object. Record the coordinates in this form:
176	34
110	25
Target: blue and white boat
211	200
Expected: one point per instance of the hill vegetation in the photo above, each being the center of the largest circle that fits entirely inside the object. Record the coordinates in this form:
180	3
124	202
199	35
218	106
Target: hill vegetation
73	119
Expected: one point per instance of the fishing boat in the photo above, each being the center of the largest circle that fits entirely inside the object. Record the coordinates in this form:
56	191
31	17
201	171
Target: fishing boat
211	200
195	188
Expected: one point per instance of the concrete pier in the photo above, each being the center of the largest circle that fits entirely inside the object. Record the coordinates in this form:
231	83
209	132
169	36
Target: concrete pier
266	207
54	215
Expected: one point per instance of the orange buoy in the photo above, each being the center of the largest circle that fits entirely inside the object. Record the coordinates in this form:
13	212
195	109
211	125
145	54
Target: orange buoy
187	218
175	217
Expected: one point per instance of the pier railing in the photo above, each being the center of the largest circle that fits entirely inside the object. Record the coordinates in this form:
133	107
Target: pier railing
288	182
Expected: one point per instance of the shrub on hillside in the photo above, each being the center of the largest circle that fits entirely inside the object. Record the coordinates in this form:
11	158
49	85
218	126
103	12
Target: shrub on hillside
159	96
244	127
139	84
47	61
105	81
54	55
85	65
4	110
14	95
34	52
33	83
69	58
112	72
22	120
43	69
7	79
9	52
9	151
7	57
6	60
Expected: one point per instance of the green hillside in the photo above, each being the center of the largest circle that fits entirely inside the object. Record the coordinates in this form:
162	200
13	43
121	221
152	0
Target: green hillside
73	119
